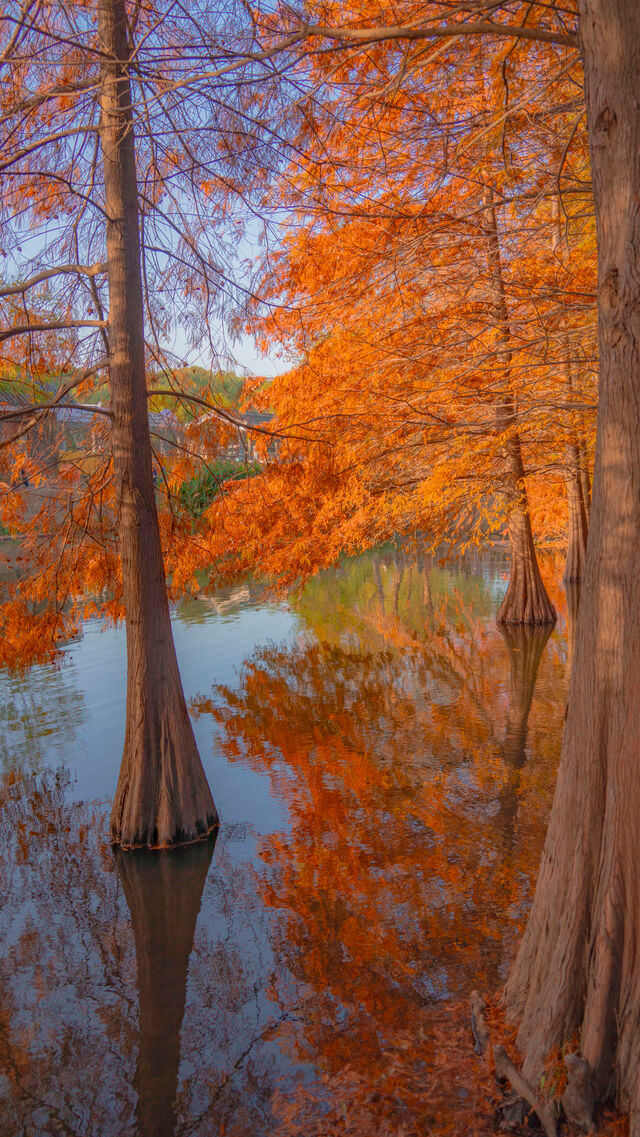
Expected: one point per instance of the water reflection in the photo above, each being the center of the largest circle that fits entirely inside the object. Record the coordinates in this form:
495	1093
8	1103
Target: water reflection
115	1019
164	895
67	979
525	644
312	970
399	734
35	706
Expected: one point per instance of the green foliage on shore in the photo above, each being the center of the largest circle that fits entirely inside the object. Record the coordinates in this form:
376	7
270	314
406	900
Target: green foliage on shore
198	492
221	387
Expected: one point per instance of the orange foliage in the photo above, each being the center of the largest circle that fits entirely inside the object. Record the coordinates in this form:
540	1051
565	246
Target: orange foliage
379	288
382	291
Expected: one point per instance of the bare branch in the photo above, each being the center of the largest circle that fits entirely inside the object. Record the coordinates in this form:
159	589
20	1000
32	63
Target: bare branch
35	101
36	408
58	136
439	31
80	270
54	325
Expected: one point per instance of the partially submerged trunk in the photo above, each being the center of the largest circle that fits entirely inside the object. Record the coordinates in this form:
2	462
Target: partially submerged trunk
577	521
577	974
162	795
526	600
164	892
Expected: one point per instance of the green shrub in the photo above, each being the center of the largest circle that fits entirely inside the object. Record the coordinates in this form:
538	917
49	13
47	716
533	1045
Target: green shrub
199	491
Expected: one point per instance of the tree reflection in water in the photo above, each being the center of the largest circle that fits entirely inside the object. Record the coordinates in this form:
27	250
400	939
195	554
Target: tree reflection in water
397	732
312	979
31	702
525	645
164	892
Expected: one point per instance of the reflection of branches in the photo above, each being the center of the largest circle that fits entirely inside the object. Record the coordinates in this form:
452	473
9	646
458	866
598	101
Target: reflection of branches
337	952
69	915
29	705
384	739
69	973
194	1124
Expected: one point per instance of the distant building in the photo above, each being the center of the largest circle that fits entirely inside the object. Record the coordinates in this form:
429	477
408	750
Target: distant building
242	446
70	433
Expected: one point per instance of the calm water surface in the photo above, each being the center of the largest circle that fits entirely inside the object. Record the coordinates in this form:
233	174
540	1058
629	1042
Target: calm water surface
382	757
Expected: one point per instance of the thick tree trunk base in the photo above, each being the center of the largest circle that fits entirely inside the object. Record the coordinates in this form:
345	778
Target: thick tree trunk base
163	798
526	600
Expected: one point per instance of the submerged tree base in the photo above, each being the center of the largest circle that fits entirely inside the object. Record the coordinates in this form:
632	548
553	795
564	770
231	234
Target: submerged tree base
526	600
562	1101
163	797
179	841
161	833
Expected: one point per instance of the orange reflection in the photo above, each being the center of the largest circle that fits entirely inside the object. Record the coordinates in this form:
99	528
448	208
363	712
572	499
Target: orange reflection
324	988
418	782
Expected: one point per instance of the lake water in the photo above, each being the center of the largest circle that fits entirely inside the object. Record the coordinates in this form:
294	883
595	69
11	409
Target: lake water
382	757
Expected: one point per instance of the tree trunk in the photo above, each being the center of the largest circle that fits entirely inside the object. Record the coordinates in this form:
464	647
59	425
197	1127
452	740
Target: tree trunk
577	509
585	480
162	795
526	600
164	893
577	523
577	512
578	968
572	592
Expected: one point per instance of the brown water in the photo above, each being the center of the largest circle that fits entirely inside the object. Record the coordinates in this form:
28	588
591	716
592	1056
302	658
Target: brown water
383	758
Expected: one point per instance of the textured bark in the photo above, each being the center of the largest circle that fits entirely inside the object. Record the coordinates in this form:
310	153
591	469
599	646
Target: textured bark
572	592
578	968
526	600
577	521
577	509
585	480
164	892
162	795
